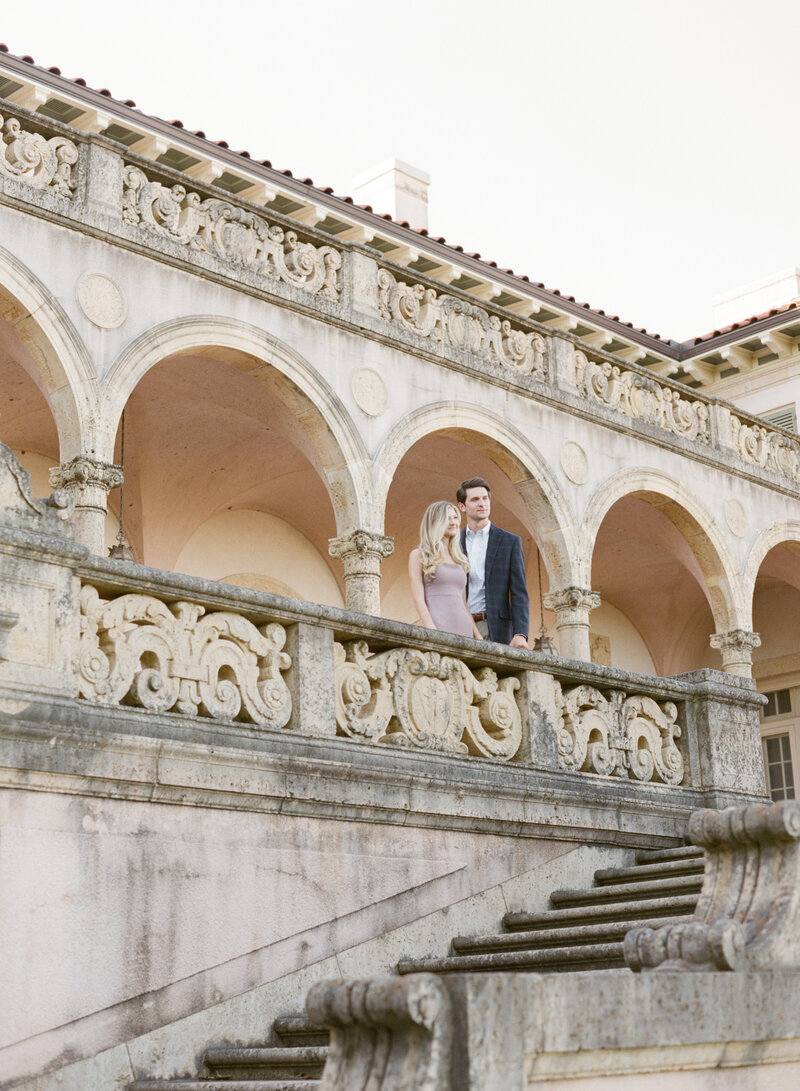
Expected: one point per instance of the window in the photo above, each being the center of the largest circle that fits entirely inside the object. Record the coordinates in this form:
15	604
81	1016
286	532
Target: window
779	702
778	762
785	417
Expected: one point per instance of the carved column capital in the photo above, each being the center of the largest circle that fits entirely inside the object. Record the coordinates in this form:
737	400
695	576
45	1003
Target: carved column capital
572	606
362	553
88	481
736	647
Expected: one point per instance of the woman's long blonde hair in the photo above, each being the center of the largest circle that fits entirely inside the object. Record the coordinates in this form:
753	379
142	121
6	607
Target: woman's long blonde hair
433	547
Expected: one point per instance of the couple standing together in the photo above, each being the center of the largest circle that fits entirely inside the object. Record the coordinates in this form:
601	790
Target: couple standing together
470	581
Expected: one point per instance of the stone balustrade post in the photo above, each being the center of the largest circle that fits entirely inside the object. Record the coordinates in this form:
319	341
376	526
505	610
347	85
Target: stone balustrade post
572	607
88	482
311	679
362	553
736	647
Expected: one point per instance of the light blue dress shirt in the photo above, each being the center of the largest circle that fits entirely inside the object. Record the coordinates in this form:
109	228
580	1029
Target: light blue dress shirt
477	542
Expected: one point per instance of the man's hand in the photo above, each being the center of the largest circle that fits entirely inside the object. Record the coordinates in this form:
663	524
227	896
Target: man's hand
519	641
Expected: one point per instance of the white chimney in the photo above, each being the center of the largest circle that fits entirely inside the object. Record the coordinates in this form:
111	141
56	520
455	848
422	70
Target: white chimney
759	296
397	188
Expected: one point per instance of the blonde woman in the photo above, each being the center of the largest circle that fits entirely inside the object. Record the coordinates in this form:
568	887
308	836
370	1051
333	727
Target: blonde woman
438	570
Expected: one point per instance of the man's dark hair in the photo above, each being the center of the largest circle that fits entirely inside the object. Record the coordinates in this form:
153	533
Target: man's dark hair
472	483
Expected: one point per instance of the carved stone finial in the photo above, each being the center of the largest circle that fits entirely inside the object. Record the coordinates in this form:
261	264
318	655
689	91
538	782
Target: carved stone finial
736	646
389	1034
748	915
362	553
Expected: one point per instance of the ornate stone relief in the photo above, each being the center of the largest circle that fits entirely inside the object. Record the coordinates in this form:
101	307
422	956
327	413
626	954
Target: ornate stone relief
234	235
102	300
736	517
407	697
574	462
369	391
642	398
45	164
748	914
617	735
767	449
455	322
138	650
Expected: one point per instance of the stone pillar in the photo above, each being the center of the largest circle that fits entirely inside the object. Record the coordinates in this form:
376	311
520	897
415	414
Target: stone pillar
362	553
88	481
572	606
736	647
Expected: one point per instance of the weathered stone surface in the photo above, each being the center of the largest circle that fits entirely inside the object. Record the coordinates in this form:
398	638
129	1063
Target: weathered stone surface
747	916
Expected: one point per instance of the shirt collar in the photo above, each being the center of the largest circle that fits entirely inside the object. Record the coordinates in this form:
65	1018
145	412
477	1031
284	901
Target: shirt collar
482	533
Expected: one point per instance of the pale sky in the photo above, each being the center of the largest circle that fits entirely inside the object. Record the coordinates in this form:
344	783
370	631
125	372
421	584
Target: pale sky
640	156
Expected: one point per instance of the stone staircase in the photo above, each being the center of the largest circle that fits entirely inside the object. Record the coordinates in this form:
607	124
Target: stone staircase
583	930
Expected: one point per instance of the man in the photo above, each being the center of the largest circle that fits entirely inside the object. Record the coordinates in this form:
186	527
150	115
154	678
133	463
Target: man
497	594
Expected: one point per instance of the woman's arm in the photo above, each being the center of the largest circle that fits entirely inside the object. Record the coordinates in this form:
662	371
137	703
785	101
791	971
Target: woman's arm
418	590
475	630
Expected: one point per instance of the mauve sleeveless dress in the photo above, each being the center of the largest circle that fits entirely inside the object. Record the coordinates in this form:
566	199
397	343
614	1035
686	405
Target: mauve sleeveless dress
444	595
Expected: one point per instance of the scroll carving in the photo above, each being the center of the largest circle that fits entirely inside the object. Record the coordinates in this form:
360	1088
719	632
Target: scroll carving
137	650
406	697
455	322
642	398
617	735
387	1034
748	914
235	235
765	448
31	157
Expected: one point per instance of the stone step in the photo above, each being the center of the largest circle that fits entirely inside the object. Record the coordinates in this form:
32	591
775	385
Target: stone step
595	956
223	1085
298	1030
677	905
639	872
266	1062
680	852
567	936
619	892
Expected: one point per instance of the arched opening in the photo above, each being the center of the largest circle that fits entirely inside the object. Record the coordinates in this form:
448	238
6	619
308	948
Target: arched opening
431	468
223	478
776	663
662	582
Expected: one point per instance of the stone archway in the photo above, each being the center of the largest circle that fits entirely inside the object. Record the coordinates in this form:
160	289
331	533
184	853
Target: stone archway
659	559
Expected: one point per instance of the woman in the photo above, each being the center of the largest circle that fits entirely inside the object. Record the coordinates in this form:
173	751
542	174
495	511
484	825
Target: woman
438	570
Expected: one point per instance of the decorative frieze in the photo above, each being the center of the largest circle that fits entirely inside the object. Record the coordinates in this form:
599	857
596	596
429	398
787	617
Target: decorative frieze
32	158
446	319
413	698
763	447
617	735
748	914
137	650
235	235
638	396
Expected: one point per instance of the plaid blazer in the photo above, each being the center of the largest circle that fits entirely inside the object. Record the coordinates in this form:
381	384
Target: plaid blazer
507	611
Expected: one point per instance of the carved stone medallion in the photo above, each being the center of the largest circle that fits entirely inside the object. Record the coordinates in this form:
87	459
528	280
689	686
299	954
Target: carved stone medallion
574	462
736	518
369	391
102	300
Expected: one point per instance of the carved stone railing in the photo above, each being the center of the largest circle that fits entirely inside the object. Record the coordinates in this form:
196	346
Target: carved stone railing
89	182
41	162
748	914
619	735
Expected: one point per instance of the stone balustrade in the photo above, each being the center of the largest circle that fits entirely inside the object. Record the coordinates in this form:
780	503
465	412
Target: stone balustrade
86	178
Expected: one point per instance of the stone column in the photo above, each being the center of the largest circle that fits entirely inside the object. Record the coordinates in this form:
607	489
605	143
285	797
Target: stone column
736	647
88	481
572	606
362	553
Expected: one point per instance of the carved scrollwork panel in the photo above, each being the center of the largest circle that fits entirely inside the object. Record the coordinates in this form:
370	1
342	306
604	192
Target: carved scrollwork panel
235	235
408	697
765	448
642	398
618	735
31	157
140	651
451	321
